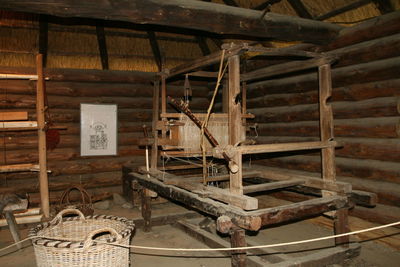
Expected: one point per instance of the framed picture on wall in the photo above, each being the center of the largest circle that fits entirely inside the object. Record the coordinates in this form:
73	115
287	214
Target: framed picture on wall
99	129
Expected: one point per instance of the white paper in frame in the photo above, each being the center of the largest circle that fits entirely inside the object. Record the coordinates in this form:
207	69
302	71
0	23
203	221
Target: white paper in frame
99	129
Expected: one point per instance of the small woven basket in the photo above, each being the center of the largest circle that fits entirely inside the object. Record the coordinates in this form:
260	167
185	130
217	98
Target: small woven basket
71	241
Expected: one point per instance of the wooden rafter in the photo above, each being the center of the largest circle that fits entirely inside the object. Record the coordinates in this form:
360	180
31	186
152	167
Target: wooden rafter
156	49
189	14
343	9
384	6
203	45
300	9
266	4
101	40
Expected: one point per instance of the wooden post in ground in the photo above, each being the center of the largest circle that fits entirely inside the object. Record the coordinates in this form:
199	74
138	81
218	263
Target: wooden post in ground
238	239
40	110
146	209
328	153
235	121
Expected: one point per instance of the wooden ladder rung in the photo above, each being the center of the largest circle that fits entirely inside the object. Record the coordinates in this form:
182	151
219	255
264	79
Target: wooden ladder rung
19	167
272	185
18	76
18	125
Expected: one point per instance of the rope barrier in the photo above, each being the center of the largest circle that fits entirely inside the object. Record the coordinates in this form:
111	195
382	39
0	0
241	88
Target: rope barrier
218	249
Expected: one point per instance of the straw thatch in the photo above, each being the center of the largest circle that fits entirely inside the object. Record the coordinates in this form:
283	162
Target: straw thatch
75	46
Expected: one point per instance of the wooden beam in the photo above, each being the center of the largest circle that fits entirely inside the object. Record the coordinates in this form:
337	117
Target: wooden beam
43	38
266	4
156	49
235	128
101	40
14	116
269	148
284	68
19	168
300	9
271	186
343	9
189	14
384	6
203	45
40	113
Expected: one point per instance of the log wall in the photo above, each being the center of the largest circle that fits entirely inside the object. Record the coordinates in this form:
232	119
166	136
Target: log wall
66	89
366	106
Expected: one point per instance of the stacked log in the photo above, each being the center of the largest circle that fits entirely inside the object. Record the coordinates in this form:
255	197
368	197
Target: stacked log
66	90
366	106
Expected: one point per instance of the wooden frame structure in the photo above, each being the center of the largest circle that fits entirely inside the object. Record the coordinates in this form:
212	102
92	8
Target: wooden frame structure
235	211
14	122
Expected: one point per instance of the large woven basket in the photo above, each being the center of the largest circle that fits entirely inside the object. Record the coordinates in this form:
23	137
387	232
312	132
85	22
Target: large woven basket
71	241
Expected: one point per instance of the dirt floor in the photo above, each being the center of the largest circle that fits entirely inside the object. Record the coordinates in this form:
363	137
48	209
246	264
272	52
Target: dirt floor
372	252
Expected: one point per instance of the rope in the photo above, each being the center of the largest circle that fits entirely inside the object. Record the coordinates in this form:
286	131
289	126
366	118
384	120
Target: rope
219	249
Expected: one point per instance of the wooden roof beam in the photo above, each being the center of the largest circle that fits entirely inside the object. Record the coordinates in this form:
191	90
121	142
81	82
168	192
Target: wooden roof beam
343	9
266	4
384	6
101	41
300	9
189	14
156	49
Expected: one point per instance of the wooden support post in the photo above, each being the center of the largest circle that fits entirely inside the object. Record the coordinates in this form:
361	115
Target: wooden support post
146	209
12	225
156	108
40	108
341	223
326	122
163	101
238	239
235	120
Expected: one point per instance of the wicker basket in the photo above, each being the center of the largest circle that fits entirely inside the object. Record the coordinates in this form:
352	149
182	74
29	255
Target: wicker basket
55	251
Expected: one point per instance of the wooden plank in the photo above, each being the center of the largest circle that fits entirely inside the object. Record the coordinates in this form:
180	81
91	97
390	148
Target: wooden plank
235	129
14	116
210	17
19	168
209	206
278	174
223	195
271	186
300	210
202	115
285	68
18	125
267	148
40	114
206	74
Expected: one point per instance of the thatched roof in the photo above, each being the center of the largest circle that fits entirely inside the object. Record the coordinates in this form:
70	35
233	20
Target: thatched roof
73	43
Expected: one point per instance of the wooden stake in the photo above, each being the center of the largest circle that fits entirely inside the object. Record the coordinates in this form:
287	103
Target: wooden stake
43	181
238	239
146	209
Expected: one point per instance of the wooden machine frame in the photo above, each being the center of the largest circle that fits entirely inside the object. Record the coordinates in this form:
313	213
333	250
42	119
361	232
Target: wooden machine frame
234	210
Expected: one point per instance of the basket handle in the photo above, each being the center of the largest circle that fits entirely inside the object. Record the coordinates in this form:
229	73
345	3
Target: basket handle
84	195
89	239
58	218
